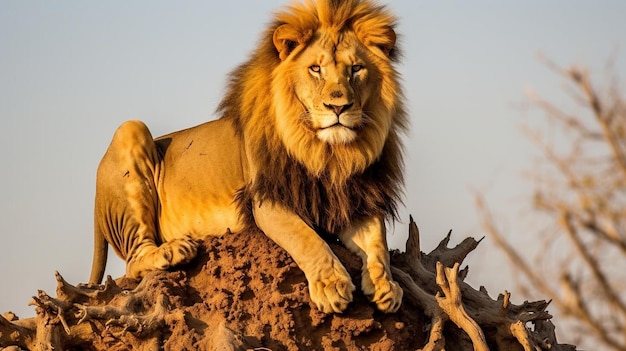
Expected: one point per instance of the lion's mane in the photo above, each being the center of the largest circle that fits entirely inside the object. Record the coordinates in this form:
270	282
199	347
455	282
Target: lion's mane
328	186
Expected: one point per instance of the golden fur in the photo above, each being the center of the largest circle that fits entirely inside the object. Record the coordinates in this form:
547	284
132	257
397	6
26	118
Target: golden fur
307	143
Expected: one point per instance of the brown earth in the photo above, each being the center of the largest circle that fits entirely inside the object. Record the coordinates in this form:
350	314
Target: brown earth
249	285
244	292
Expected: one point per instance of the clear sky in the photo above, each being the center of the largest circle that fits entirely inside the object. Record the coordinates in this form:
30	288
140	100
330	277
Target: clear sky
72	71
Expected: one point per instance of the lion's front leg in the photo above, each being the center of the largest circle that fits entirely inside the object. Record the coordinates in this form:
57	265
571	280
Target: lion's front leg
367	238
330	284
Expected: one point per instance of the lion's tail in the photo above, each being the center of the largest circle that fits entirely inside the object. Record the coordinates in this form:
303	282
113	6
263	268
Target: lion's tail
100	250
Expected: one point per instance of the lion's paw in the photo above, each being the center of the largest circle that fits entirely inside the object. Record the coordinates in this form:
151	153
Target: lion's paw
332	293
168	254
385	293
179	251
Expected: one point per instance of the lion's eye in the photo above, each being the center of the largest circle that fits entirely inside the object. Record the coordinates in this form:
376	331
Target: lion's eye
356	68
315	68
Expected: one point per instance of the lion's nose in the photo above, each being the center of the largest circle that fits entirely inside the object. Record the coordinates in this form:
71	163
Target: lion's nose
338	109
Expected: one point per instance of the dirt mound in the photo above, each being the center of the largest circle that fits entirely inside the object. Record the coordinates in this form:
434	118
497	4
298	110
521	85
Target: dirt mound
244	292
248	290
261	292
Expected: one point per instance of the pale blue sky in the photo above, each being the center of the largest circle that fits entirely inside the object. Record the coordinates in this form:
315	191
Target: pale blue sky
72	71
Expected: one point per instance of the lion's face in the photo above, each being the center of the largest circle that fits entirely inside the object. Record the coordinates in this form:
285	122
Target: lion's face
335	95
333	84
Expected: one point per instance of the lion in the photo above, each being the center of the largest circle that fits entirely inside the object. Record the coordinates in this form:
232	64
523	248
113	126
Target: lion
307	144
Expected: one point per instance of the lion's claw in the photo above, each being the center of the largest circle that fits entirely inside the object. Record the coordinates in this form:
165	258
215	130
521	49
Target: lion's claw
180	251
386	294
169	254
332	295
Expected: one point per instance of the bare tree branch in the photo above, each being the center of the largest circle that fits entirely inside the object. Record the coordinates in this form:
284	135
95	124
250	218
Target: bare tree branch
583	189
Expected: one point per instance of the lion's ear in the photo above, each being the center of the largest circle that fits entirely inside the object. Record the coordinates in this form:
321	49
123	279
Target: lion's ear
385	40
286	39
390	43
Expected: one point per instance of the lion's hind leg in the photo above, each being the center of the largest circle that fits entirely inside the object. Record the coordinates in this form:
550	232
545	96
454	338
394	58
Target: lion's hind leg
127	203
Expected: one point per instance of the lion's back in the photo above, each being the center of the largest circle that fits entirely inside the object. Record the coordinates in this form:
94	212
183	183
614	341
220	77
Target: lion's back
202	169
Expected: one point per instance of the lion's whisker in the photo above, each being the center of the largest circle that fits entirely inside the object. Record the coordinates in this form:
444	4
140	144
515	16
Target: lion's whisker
367	119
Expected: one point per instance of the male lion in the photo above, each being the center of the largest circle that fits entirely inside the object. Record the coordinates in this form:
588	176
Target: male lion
307	143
